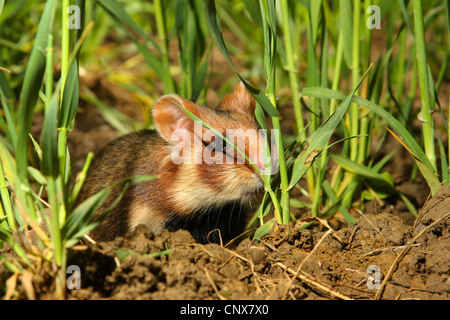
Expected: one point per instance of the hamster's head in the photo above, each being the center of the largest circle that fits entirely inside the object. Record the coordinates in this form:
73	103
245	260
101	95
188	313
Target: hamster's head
210	171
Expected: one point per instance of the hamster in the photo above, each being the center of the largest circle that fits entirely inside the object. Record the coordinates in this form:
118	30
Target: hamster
197	187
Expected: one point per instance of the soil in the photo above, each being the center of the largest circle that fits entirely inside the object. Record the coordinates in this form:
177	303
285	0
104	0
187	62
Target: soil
387	254
287	264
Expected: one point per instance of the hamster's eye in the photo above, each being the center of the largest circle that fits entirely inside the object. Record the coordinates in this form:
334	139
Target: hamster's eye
217	145
227	147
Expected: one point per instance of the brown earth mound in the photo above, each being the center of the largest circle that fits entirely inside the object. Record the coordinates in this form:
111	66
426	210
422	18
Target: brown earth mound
377	258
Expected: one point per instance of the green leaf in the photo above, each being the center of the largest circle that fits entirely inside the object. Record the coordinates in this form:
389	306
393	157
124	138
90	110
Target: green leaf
360	169
37	175
50	162
70	98
382	183
315	15
265	229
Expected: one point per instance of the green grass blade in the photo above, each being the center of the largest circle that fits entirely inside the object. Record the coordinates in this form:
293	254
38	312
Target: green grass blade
50	162
32	84
424	84
80	220
70	98
444	163
9	127
381	183
290	65
6	200
79	181
114	117
265	229
391	120
160	18
16	183
82	214
346	28
315	14
385	180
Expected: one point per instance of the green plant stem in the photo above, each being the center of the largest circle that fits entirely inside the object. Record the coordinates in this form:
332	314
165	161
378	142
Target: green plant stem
268	17
354	114
447	15
49	69
52	194
335	87
285	201
65	55
56	234
80	179
284	214
364	126
57	211
292	69
426	110
411	95
401	69
346	185
276	205
161	29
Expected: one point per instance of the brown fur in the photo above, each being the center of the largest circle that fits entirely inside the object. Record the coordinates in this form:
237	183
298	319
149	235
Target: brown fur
196	197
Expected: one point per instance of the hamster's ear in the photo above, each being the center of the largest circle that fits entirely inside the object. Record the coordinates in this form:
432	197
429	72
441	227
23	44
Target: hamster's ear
240	100
168	115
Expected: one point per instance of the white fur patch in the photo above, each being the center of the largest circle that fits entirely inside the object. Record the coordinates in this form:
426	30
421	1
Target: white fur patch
141	214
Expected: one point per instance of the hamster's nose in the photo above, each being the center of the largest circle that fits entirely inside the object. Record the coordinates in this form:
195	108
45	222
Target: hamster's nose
266	165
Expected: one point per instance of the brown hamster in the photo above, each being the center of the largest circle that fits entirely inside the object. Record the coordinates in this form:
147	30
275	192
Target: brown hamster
195	194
